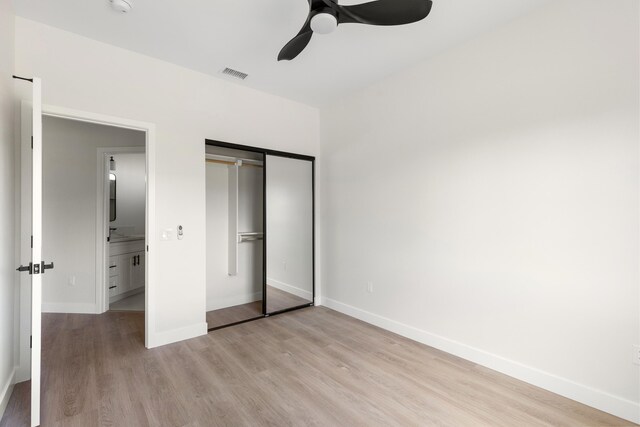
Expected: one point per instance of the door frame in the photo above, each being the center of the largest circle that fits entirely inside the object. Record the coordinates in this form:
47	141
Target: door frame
102	224
150	223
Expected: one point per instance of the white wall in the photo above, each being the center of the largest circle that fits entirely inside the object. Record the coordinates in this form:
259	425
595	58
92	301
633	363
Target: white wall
186	108
70	169
7	224
246	286
490	195
130	192
289	225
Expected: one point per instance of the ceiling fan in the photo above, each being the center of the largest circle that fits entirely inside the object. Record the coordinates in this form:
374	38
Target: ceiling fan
325	16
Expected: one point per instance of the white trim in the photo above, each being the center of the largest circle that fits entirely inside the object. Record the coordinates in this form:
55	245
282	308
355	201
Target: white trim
102	223
290	289
5	393
88	117
179	334
151	241
579	392
68	307
218	303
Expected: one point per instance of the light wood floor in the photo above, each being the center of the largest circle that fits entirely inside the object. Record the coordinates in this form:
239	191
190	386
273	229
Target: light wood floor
308	367
277	300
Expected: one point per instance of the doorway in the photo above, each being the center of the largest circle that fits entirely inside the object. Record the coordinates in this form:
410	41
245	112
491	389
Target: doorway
73	233
29	156
122	220
71	213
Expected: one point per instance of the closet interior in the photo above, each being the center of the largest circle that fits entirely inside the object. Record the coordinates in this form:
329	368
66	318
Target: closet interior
260	232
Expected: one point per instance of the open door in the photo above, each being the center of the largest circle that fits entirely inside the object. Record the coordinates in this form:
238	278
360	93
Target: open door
35	267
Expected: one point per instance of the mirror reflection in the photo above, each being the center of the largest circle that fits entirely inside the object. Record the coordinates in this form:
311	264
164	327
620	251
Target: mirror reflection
234	236
112	197
289	224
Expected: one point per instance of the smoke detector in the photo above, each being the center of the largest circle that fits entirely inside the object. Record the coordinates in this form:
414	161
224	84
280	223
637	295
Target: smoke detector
122	6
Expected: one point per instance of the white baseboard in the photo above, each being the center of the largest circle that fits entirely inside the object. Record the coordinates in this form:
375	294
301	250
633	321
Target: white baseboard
218	303
290	289
598	399
63	307
174	335
5	392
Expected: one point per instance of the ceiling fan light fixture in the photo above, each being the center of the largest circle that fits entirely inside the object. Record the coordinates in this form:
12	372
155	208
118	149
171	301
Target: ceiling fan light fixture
324	23
122	6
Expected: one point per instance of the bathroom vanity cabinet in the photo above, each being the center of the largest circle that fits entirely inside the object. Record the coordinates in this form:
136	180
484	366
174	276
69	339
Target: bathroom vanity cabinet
126	269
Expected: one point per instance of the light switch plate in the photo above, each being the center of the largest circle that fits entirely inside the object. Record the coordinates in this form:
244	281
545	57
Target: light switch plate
167	234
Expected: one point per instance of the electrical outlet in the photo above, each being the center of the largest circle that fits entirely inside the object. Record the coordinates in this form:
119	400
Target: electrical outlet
72	280
369	287
284	265
636	354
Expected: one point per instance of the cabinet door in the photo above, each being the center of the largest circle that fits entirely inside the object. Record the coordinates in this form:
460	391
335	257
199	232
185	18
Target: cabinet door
125	265
137	271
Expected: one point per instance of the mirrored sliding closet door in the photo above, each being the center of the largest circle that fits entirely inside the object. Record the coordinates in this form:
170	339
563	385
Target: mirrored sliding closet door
235	247
289	232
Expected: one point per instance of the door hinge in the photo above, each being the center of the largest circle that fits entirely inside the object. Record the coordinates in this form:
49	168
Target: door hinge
31	242
32	142
30	341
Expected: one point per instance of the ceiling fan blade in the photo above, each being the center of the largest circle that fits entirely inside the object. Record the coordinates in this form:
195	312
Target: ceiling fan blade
299	42
295	46
384	12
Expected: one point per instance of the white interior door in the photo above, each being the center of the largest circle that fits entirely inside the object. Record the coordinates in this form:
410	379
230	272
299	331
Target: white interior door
32	210
36	251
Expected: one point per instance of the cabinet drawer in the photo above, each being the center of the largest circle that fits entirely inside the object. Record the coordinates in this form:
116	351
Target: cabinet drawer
114	269
114	288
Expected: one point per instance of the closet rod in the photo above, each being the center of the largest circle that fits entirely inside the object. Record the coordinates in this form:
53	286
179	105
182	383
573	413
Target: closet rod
228	160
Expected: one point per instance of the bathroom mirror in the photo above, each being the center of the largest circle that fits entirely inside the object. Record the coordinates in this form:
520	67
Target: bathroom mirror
112	197
289	232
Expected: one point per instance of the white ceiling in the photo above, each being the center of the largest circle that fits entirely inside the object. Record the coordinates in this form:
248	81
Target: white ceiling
208	35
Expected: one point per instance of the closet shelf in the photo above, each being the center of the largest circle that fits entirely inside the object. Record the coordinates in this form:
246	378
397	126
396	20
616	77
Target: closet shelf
250	236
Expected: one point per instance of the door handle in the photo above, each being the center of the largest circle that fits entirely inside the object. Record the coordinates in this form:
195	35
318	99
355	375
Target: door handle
46	266
23	268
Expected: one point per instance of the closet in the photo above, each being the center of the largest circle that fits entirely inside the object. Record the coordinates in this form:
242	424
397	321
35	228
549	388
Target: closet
260	232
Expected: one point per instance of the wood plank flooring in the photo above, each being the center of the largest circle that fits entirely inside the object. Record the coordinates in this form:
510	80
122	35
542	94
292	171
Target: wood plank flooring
308	367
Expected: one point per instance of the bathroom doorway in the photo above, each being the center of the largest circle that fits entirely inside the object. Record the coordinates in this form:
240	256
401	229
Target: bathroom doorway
123	175
75	233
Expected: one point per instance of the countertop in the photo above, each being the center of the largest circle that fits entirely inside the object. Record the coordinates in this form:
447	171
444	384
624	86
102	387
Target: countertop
120	239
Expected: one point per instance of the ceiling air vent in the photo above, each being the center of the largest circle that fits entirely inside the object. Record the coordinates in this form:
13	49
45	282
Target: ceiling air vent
235	73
